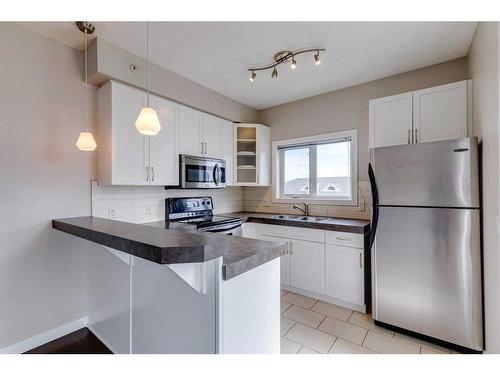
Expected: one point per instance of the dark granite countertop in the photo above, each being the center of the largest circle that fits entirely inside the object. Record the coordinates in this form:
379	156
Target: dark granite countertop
169	243
334	224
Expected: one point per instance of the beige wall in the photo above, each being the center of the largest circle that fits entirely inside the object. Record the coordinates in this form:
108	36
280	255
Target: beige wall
43	176
341	110
483	67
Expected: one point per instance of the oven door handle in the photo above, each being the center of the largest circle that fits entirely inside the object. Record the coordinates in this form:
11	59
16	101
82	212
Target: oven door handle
225	229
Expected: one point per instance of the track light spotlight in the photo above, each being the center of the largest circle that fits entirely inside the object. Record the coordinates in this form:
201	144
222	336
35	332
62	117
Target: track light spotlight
317	60
275	73
252	77
294	64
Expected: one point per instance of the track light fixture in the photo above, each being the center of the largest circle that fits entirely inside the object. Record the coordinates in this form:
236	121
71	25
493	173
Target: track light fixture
285	57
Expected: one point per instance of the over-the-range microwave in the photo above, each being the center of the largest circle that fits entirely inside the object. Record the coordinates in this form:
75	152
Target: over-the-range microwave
201	173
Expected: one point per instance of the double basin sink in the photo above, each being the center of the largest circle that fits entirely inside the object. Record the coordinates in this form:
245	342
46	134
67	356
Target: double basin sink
314	219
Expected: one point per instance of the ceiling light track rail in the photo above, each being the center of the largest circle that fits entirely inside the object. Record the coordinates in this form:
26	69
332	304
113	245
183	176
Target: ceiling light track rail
282	57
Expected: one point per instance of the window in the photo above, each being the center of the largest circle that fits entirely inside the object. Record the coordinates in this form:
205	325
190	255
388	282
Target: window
318	168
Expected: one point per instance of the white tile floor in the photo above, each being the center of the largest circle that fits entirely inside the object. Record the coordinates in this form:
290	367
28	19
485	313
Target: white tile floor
309	326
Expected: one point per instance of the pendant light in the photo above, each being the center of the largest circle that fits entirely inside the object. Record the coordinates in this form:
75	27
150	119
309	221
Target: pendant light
147	122
86	141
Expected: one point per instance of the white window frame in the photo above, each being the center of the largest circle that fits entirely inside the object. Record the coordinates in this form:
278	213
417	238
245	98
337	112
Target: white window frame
278	195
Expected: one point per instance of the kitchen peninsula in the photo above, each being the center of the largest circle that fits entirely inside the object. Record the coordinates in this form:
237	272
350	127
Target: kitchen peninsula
155	289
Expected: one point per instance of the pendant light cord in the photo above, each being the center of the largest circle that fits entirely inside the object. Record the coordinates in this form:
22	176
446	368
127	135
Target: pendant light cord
147	59
86	89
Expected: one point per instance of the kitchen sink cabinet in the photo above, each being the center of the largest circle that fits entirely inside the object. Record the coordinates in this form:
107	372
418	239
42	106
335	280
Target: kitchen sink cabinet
307	265
323	264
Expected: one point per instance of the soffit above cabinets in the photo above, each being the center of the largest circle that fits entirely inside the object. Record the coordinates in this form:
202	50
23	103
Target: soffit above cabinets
218	54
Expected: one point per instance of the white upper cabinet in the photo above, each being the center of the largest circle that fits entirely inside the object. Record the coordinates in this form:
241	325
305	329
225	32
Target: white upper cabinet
252	160
228	149
163	152
126	157
190	131
433	114
440	112
212	136
391	120
122	151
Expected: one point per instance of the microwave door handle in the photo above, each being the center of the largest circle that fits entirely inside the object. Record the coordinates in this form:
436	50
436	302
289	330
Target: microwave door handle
375	212
216	174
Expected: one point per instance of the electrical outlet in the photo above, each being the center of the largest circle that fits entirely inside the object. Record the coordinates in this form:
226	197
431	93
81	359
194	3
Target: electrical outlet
361	206
111	212
148	210
267	203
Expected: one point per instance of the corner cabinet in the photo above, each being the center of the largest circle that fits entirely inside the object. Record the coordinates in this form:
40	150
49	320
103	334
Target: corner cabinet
252	155
126	157
432	114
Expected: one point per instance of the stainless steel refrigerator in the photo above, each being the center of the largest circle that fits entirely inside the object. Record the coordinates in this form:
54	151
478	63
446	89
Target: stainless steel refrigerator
426	250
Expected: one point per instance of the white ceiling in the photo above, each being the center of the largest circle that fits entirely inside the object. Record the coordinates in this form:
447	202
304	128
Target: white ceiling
218	54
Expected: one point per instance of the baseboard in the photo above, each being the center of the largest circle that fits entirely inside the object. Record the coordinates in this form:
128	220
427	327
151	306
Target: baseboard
43	338
324	298
96	334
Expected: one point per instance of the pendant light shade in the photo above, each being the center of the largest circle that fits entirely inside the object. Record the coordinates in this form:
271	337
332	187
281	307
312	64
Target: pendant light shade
147	122
86	142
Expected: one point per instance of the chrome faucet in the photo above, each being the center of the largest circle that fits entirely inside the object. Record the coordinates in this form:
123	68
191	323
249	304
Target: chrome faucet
305	210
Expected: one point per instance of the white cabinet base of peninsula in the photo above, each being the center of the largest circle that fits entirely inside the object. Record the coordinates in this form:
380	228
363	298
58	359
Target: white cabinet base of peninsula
138	306
249	311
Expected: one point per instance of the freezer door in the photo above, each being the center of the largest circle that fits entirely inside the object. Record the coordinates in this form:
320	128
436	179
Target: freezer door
427	273
440	174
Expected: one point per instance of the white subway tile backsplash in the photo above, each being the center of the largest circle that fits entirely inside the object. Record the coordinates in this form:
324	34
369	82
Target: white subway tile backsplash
142	204
259	199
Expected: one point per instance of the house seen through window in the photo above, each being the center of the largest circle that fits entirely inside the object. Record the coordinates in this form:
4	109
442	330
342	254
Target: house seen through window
321	168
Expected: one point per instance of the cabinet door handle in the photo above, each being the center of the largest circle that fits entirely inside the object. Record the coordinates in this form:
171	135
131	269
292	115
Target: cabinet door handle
152	173
206	148
291	248
202	147
360	260
147	173
416	137
409	131
286	247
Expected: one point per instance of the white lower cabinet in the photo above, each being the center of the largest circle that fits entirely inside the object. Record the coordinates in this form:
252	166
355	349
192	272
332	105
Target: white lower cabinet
285	272
307	265
345	273
326	265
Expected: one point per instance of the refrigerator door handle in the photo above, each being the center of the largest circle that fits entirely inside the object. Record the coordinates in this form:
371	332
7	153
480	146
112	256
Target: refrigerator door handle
373	186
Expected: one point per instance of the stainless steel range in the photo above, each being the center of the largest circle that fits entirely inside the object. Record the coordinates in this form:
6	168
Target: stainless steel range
198	211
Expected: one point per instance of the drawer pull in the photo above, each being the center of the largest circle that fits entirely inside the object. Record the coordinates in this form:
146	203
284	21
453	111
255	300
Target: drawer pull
343	238
360	260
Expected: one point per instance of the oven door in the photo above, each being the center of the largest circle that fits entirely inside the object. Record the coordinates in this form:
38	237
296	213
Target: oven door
202	173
